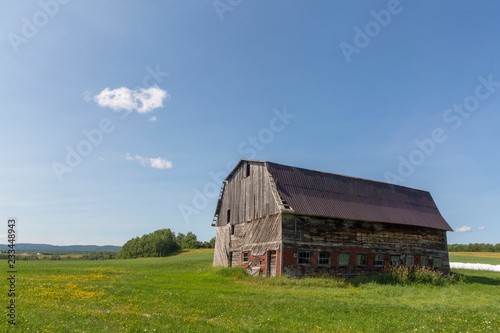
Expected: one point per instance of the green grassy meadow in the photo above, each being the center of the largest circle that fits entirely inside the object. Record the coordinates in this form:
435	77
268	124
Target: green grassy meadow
183	294
492	258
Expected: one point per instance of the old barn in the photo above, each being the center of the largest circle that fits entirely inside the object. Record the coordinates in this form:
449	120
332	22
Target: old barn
275	219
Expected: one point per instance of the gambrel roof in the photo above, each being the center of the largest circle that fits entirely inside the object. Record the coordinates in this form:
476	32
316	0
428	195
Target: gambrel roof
324	194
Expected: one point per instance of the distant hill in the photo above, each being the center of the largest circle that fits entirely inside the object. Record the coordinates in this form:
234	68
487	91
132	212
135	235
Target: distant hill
48	247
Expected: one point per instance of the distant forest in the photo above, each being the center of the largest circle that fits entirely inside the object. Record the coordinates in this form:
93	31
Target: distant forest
58	255
161	243
60	249
474	247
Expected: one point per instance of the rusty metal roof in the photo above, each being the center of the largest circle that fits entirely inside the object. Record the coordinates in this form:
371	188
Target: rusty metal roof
324	194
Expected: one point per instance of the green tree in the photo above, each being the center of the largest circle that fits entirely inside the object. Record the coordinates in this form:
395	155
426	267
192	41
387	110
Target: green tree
160	243
474	247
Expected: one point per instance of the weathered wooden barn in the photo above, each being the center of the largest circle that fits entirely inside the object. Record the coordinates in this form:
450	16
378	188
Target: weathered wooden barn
275	219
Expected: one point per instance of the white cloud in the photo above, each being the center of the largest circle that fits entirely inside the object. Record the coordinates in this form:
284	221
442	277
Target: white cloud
116	99
153	162
464	229
159	163
142	100
86	96
152	119
481	228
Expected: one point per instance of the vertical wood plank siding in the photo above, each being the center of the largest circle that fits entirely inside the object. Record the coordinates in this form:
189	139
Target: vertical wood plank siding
248	199
221	250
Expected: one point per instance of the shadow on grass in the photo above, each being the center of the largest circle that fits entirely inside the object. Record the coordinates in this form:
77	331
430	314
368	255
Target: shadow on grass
421	277
395	276
481	280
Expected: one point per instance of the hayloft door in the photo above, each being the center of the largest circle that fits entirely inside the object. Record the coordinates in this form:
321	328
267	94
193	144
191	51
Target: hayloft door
271	263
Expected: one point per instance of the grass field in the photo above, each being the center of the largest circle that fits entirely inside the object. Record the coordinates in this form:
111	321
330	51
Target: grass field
41	256
492	258
183	294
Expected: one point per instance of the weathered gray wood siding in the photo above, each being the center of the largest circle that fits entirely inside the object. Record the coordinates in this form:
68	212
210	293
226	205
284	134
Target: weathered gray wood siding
221	251
248	197
326	234
257	236
254	213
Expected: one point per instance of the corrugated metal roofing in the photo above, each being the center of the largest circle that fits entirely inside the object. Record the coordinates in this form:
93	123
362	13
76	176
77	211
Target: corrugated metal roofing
324	194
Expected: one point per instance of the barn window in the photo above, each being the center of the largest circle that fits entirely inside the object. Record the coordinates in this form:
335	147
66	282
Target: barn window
424	261
344	259
362	259
232	229
394	260
230	259
247	170
409	261
324	259
379	260
304	257
245	256
228	215
437	262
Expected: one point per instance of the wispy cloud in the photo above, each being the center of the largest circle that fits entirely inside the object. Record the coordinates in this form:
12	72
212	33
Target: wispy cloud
142	100
464	229
86	96
153	162
152	119
481	228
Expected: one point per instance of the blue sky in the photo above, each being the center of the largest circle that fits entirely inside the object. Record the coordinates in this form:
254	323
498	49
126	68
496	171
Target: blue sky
159	99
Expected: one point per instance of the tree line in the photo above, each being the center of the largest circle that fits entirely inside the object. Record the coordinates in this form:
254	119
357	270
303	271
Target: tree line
161	243
474	247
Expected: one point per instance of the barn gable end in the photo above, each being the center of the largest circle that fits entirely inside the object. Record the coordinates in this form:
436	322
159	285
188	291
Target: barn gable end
248	215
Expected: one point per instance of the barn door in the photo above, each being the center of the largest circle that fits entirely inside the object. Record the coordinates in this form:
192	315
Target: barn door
271	263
